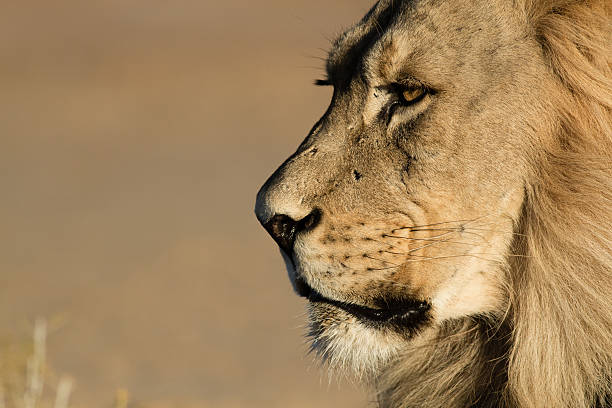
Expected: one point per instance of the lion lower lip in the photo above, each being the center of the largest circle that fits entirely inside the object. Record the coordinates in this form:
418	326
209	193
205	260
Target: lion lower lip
404	312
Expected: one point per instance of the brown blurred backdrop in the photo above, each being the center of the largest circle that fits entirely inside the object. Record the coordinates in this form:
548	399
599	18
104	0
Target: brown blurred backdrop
133	137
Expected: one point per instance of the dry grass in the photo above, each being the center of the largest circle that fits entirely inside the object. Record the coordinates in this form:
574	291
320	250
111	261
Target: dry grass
25	379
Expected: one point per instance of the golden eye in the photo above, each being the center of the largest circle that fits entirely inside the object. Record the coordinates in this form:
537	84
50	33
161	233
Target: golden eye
412	95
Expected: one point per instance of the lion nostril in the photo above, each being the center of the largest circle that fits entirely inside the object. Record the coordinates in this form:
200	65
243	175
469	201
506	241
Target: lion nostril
311	220
284	228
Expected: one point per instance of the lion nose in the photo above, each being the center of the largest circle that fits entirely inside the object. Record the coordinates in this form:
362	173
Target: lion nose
284	229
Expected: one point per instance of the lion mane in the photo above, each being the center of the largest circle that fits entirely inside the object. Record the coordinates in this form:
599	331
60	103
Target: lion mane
553	347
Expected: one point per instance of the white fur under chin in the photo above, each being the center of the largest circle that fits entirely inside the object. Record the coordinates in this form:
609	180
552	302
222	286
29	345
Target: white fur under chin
355	350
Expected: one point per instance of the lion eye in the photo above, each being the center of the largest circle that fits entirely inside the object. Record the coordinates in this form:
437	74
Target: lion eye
405	95
412	95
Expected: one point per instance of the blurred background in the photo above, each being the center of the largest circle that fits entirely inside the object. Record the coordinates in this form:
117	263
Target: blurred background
134	136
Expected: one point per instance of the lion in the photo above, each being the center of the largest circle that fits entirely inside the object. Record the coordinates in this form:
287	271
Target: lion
449	218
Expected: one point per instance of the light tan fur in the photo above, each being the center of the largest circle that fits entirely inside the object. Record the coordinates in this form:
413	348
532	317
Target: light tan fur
491	199
562	291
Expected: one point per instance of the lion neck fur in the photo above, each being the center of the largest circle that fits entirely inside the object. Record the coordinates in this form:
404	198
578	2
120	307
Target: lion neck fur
553	345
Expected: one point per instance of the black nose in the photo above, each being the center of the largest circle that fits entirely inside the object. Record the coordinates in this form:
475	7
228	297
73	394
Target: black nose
284	228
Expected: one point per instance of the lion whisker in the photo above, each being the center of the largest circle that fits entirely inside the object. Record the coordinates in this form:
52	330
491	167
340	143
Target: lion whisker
381	260
416	239
393	253
426	246
437	240
466	221
432	258
428	225
498	231
460	230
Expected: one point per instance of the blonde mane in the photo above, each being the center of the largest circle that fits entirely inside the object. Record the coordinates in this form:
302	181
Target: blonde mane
553	346
562	305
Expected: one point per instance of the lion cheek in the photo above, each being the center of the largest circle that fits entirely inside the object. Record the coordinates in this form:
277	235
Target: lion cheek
422	278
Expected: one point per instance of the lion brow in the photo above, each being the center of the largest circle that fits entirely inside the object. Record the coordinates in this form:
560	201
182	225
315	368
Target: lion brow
350	46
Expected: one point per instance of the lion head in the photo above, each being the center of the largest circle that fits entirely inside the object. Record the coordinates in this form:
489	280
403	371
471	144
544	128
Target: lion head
449	218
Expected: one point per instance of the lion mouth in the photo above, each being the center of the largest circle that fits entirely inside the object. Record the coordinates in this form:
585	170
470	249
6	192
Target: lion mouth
400	312
406	313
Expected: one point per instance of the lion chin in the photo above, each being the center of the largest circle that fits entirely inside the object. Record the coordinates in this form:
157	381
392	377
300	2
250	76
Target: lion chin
449	218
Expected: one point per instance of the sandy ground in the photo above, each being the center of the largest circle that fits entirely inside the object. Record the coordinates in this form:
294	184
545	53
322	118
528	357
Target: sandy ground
133	137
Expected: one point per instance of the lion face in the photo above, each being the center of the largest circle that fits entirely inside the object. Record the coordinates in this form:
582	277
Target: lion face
397	212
